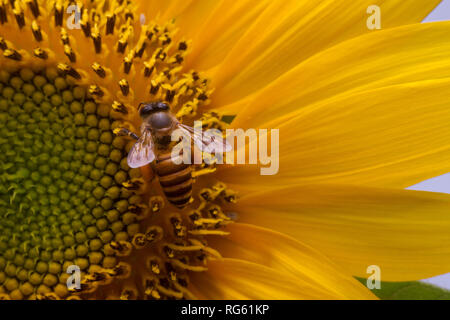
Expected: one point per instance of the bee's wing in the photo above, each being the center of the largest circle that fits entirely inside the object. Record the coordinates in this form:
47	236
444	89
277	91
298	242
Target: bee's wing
215	142
141	153
207	141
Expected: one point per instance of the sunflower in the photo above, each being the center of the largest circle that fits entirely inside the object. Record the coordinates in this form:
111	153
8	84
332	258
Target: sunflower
362	114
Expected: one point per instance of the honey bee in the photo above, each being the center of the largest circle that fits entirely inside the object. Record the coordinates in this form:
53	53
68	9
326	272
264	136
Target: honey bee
154	146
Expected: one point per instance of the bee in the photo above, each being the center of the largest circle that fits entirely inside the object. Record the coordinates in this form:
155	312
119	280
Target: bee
154	146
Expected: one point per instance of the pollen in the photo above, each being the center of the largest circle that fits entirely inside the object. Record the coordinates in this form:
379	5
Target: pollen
67	196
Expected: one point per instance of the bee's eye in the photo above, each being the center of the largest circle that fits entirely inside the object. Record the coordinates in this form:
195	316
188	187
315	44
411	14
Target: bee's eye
162	106
160	120
151	107
146	109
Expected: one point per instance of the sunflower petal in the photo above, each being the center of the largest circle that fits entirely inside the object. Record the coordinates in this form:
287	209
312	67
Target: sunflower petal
406	233
401	55
164	10
289	32
394	137
214	26
234	279
318	274
221	29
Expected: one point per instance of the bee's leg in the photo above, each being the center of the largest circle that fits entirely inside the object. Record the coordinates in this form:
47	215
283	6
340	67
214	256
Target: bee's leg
125	132
153	175
204	169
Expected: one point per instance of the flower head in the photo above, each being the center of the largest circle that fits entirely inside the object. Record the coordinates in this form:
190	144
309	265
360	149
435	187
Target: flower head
70	89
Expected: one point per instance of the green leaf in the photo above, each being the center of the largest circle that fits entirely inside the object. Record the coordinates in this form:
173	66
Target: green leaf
228	118
412	290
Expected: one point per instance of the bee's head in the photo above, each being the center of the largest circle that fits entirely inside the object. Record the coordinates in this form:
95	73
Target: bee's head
157	113
147	108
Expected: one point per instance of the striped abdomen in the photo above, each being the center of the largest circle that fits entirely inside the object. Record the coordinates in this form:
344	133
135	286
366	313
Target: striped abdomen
175	180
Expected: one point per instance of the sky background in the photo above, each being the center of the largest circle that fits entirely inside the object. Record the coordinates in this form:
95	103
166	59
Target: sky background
442	12
442	183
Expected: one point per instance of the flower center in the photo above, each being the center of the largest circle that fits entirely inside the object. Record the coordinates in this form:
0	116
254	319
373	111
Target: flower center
67	195
62	201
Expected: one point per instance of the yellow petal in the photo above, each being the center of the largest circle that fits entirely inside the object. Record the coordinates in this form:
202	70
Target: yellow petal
214	26
395	56
406	233
233	279
163	10
223	28
394	137
289	32
189	15
321	278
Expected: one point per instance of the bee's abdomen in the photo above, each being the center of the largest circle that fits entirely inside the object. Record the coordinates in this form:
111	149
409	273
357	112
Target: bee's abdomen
175	179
